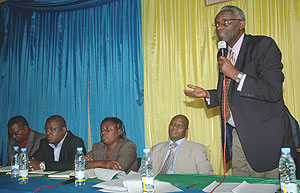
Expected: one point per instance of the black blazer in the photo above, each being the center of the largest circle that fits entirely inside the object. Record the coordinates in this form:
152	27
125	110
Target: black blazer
67	154
258	111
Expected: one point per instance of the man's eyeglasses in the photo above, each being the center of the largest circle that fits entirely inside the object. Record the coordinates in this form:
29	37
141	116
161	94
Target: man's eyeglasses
225	22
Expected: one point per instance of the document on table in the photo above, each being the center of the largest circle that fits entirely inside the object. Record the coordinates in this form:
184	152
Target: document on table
64	175
37	173
108	174
42	172
243	187
112	185
5	169
133	184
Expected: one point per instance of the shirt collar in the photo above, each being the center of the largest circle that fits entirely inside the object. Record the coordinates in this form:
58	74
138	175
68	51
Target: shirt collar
24	143
237	46
179	142
60	143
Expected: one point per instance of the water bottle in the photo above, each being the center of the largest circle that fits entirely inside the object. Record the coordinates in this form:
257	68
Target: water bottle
147	172
79	168
15	163
287	170
23	167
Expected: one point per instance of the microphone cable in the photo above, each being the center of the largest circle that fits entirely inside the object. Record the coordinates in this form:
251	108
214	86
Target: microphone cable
224	150
62	183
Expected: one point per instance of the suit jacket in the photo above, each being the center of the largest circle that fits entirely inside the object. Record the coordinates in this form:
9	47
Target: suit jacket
67	153
32	145
258	111
191	158
124	153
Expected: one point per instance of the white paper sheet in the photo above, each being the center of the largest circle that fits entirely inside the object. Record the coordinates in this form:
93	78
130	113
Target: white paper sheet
223	188
243	187
133	184
5	169
63	175
108	174
116	184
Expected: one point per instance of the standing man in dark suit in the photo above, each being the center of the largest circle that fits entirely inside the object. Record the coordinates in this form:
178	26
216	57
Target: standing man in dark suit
21	135
257	115
57	151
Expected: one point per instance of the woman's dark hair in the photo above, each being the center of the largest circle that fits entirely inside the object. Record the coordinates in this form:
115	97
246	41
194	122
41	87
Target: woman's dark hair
119	124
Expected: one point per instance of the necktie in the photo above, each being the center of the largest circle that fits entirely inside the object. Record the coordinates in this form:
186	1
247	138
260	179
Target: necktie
227	113
169	160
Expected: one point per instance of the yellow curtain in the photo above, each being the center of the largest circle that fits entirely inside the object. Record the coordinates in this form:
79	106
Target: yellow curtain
180	46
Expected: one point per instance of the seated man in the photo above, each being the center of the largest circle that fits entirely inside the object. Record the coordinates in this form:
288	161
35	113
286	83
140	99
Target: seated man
178	155
114	151
57	151
21	135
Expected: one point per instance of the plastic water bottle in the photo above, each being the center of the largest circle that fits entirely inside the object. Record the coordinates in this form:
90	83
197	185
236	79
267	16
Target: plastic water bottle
23	167
79	168
287	170
147	172
15	163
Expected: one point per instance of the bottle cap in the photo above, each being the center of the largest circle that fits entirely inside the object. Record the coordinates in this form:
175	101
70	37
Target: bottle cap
146	150
23	149
285	150
16	148
79	149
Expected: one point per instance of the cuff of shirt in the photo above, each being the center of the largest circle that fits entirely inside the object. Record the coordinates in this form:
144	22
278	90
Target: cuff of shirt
240	86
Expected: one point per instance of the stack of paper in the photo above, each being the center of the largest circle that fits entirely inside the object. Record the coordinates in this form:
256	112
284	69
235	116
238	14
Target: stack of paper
133	184
63	175
5	169
243	187
108	174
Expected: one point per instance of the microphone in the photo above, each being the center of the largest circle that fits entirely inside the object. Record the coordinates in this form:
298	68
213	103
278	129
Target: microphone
68	181
222	47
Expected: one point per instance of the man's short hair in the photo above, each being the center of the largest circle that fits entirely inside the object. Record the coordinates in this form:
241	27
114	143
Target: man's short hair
19	120
183	116
237	11
59	119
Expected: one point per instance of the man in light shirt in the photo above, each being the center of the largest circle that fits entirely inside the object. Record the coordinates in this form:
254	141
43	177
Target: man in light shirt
57	151
189	157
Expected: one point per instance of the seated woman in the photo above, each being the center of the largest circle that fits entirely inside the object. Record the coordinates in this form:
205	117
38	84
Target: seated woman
114	151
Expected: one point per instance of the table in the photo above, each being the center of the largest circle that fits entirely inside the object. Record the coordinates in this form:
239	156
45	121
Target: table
182	180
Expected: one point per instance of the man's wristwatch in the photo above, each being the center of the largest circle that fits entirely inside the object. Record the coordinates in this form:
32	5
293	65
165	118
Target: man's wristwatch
239	77
42	166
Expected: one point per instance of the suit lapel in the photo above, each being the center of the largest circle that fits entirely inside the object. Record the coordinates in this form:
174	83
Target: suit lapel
242	54
238	65
163	152
63	152
180	155
30	143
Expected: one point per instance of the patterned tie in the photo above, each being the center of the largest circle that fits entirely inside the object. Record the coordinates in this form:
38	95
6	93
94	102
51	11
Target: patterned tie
227	113
169	160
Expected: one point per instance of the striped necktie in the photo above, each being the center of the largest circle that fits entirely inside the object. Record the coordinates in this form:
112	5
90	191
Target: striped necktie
227	113
169	160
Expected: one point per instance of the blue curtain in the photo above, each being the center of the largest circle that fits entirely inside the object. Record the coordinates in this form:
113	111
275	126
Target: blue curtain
72	63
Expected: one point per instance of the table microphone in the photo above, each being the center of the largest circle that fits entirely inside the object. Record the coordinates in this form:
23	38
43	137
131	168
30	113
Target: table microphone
68	181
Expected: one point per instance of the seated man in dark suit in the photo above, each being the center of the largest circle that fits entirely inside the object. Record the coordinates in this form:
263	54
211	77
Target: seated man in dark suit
57	151
22	136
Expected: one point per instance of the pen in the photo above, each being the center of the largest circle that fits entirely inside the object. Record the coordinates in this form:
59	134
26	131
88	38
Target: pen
192	185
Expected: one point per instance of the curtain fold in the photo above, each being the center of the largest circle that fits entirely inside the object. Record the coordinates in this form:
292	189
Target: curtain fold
57	5
73	63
